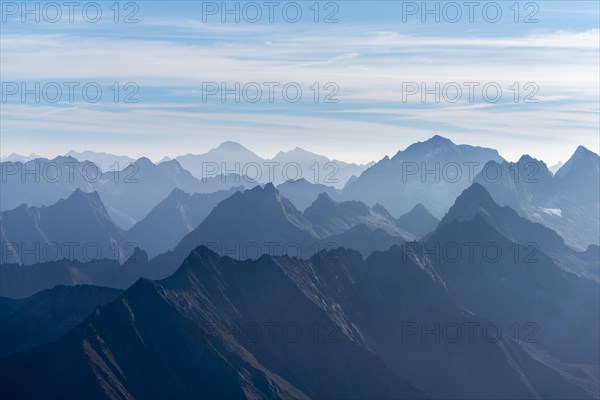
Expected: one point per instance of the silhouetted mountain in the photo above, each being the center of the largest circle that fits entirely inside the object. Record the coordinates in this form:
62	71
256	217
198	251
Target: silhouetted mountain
303	193
14	157
314	168
20	281
187	337
136	190
363	239
246	225
227	158
554	312
352	179
580	176
296	164
195	334
128	194
418	221
106	162
477	201
78	227
48	315
332	218
568	202
173	218
42	182
432	173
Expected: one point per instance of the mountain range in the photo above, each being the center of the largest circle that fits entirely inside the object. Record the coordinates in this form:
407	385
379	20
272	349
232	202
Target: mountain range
567	202
284	166
77	227
410	307
205	327
433	173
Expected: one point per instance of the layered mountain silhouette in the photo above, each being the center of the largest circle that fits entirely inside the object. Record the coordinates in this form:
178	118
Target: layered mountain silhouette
77	227
48	315
567	202
128	194
295	164
418	221
478	201
525	291
195	335
228	156
332	218
252	298
364	239
106	161
302	193
173	218
432	173
244	225
21	281
141	186
42	182
315	168
185	337
248	224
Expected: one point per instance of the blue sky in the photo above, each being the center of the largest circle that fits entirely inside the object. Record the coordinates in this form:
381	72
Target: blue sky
369	61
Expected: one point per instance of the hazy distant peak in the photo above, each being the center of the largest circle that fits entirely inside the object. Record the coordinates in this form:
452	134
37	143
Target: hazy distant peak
80	194
178	193
584	150
172	165
434	144
324	198
437	139
420	208
144	161
88	199
526	158
378	208
300	181
62	159
229	145
581	160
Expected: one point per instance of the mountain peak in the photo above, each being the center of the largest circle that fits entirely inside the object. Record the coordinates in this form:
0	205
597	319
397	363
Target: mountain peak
475	193
582	161
269	188
231	146
418	221
437	139
178	193
323	198
420	208
79	194
144	161
473	200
